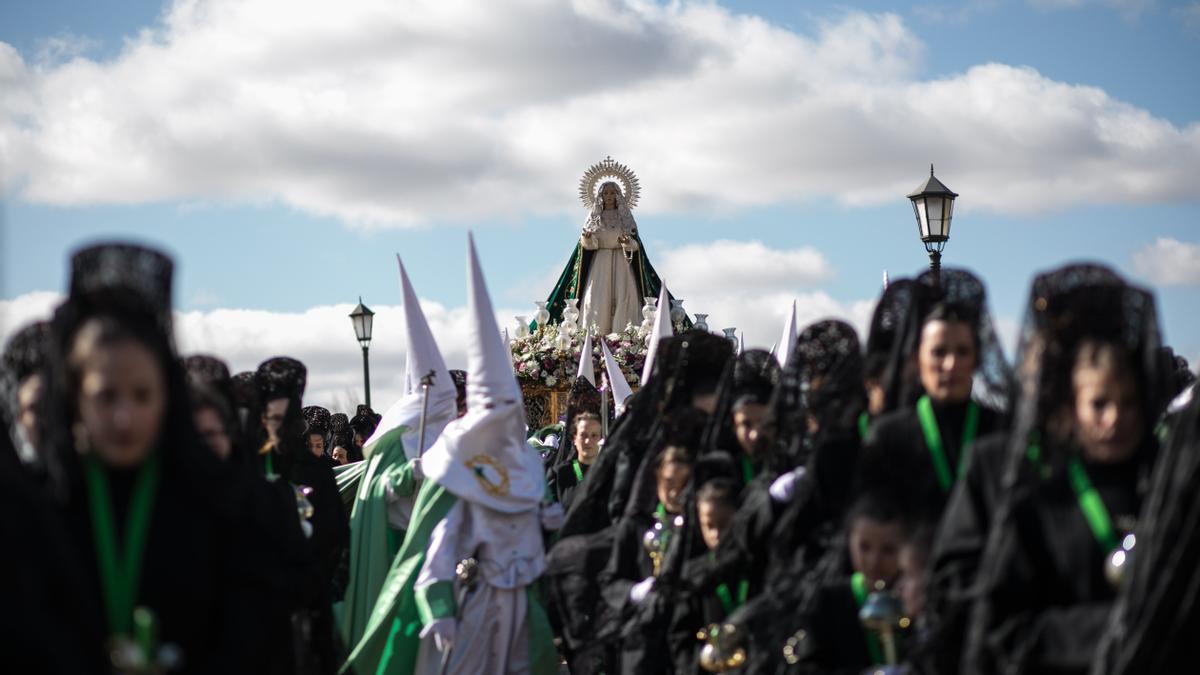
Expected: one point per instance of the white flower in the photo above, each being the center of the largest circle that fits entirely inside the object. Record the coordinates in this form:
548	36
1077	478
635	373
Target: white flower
551	380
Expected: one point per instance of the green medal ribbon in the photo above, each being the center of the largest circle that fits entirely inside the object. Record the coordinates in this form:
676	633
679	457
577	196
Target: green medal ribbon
119	575
933	440
864	425
270	466
578	470
1092	506
747	469
858	585
743	591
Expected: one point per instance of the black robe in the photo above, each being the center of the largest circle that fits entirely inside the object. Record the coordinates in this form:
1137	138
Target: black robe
43	627
314	597
833	639
695	611
190	574
896	459
565	483
1044	598
642	627
958	550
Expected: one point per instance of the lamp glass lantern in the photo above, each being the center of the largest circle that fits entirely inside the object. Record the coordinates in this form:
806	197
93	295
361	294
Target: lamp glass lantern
933	206
363	319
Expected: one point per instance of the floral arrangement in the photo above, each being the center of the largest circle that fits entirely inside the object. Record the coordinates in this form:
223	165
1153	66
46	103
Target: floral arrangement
538	360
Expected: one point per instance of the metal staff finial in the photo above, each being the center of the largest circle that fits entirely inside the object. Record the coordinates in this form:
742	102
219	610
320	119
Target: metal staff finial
426	385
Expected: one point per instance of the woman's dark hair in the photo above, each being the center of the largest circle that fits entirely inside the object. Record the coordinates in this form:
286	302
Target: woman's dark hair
878	507
719	490
672	454
74	337
953	314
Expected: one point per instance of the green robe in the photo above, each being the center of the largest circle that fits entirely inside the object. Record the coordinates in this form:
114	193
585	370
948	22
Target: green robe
392	636
372	539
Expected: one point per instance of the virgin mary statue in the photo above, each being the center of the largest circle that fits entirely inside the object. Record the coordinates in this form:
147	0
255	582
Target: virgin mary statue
608	272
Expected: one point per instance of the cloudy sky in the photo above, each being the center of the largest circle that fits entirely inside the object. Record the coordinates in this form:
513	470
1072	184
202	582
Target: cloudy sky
285	150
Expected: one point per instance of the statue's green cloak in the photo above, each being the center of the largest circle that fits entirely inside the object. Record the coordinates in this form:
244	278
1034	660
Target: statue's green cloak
573	280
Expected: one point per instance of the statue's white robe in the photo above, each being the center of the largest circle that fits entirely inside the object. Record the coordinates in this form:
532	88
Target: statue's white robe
610	299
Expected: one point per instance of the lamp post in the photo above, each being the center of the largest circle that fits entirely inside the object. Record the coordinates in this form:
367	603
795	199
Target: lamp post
933	205
363	318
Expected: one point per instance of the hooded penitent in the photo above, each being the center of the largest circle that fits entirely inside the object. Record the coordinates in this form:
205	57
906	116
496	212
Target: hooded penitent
384	496
482	457
479	465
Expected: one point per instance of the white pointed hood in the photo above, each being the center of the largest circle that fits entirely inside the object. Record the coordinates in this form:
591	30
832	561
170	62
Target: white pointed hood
787	341
482	457
662	329
423	356
586	369
616	380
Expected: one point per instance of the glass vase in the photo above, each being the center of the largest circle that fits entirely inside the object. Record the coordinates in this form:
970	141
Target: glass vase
571	311
543	315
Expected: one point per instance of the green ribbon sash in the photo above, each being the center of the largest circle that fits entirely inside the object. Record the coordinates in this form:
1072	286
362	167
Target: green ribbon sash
726	598
1092	506
119	574
747	470
864	425
578	470
858	585
933	440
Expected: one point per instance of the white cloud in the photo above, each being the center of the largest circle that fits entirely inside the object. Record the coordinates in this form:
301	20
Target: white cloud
321	337
24	309
1169	262
717	267
389	114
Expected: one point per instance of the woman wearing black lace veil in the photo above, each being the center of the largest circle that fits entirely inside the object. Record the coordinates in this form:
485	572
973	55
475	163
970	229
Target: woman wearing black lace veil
736	426
1080	455
147	505
781	535
963	532
270	531
1155	621
686	369
952	385
280	438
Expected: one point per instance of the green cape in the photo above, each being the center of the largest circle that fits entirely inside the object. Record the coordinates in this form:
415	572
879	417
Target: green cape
392	636
372	539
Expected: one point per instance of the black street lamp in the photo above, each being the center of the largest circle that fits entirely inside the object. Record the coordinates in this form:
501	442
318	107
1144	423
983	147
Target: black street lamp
933	204
363	318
